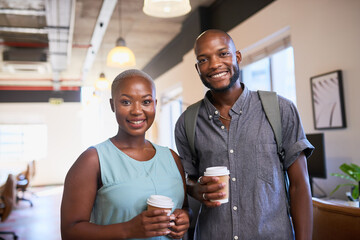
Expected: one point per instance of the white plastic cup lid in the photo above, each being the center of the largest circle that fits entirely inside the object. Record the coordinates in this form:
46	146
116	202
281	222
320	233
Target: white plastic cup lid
216	171
160	201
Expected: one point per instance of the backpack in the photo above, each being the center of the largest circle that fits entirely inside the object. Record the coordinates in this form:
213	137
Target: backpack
269	102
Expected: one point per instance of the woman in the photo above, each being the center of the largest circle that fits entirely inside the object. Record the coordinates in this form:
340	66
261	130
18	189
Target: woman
106	189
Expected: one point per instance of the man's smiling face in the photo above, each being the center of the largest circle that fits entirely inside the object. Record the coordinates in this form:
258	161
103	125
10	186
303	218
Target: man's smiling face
217	60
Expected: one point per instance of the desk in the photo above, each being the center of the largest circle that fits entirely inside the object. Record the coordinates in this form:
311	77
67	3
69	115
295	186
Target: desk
342	202
335	220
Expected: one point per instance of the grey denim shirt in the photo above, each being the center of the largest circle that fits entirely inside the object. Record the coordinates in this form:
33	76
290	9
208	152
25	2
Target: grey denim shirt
257	201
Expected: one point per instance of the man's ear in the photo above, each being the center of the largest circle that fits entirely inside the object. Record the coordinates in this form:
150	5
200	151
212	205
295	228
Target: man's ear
112	104
197	68
238	56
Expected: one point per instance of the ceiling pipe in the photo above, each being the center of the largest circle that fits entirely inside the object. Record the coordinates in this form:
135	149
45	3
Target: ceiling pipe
25	44
24	30
25	12
100	28
39	45
39	79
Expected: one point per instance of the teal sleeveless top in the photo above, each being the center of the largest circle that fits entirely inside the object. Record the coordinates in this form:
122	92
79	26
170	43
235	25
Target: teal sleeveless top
127	183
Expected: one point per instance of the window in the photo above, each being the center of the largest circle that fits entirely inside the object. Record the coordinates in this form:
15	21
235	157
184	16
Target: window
273	73
283	75
23	142
256	76
171	109
269	65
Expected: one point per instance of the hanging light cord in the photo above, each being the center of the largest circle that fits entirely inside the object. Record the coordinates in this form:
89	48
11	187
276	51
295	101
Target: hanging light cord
120	22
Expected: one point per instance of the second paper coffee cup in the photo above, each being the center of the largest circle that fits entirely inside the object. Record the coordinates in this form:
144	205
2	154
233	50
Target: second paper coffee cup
159	202
223	174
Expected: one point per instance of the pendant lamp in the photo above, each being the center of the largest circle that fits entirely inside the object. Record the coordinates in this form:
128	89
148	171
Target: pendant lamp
166	8
120	55
102	83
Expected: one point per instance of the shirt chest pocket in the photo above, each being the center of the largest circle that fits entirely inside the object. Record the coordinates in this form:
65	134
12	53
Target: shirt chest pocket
266	162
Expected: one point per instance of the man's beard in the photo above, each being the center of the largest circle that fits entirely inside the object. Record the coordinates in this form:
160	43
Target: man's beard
233	80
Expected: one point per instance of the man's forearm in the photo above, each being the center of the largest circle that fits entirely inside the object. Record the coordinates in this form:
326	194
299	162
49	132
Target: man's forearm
301	211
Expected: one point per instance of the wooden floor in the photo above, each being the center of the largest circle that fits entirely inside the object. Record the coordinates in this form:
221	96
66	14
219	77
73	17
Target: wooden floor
42	221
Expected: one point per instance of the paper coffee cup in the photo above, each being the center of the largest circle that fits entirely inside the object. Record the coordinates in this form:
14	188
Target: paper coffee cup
223	174
160	202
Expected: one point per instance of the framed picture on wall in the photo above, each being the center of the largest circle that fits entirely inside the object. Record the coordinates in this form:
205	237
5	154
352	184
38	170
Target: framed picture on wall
328	100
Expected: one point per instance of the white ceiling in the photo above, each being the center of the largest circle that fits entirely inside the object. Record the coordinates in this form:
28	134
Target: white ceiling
64	30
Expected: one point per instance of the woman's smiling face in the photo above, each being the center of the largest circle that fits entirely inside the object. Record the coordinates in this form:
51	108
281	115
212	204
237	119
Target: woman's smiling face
134	104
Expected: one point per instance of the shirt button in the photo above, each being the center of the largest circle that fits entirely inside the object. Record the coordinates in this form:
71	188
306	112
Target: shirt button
235	208
210	116
236	237
222	127
233	179
240	111
231	151
216	112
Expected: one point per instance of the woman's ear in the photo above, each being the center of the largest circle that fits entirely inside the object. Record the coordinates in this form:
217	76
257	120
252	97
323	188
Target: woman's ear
112	104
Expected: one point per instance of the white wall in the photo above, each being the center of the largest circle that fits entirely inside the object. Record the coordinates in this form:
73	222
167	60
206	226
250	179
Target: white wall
325	35
63	131
72	127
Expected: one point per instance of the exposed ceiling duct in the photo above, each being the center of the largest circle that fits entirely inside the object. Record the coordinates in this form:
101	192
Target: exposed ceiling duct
60	15
46	38
18	56
66	36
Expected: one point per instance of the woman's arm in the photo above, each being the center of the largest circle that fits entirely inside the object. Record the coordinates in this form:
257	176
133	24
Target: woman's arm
182	216
81	185
300	195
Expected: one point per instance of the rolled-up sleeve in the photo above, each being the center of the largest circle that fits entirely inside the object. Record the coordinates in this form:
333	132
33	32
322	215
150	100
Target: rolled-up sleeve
294	138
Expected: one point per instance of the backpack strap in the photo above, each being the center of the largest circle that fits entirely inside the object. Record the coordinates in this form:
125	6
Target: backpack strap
271	108
270	104
190	116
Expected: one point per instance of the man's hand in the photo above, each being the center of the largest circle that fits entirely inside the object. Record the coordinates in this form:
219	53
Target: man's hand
205	190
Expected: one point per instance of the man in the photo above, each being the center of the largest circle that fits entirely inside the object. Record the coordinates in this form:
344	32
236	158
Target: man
232	130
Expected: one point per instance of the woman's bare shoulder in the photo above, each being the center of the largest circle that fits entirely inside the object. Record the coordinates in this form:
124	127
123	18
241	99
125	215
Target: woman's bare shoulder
87	163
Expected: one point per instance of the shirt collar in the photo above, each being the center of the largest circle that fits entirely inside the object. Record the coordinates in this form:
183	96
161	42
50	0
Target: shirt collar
236	108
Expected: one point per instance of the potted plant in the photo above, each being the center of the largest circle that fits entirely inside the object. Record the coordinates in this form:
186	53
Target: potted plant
351	172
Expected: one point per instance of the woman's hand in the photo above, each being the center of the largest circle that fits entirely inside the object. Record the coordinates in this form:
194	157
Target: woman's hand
182	223
151	223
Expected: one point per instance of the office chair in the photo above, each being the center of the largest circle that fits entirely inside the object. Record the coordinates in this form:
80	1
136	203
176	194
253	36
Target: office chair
8	196
335	221
23	182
